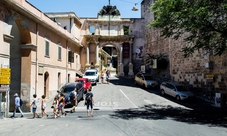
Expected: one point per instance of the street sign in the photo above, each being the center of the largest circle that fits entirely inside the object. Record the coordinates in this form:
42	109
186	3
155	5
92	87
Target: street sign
5	82
5	76
3	70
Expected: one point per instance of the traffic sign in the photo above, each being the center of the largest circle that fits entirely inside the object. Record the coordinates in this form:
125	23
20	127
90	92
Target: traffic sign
5	76
3	70
4	80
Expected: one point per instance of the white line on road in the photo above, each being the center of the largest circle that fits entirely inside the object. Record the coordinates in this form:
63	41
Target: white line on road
128	98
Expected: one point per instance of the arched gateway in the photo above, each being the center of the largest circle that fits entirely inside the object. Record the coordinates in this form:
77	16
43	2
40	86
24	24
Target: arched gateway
108	43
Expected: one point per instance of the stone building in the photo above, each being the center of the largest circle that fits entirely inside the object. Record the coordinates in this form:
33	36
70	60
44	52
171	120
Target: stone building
205	72
41	53
110	41
46	50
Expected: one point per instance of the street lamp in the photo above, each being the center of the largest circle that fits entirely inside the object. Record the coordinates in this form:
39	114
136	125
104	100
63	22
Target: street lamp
135	8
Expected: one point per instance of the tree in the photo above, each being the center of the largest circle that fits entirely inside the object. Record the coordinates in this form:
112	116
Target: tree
202	23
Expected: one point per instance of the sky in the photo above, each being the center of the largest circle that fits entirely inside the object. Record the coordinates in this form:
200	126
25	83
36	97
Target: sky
88	8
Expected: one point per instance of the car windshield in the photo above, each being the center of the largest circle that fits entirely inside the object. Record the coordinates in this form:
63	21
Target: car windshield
148	77
66	89
81	81
182	88
89	74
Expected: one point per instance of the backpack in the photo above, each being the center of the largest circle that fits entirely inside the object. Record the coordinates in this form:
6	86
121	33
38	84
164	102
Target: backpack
88	97
21	102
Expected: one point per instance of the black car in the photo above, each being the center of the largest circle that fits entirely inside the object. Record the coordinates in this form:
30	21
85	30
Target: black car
68	88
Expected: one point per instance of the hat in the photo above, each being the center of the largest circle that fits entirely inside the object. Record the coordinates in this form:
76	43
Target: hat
15	94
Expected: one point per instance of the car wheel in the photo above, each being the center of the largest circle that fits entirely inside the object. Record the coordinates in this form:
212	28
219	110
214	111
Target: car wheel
178	97
163	92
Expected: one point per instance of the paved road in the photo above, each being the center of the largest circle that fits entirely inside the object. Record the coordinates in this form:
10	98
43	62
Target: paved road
123	109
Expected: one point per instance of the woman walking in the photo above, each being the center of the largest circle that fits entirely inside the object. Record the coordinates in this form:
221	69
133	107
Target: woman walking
43	106
62	104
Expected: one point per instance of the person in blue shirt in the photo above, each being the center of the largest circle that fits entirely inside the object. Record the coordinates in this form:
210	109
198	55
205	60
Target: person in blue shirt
17	106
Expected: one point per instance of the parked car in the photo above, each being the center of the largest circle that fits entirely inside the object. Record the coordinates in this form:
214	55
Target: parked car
145	80
86	84
68	88
92	75
177	90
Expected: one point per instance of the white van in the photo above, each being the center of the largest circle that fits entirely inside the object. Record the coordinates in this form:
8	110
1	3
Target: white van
92	75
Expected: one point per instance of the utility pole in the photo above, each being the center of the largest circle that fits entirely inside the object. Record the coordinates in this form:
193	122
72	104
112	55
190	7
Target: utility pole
109	21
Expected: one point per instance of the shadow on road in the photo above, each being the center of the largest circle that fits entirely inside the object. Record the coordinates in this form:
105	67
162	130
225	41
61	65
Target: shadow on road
210	117
199	112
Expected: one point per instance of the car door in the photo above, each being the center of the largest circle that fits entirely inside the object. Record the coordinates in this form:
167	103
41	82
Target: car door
143	80
168	89
139	79
79	91
172	90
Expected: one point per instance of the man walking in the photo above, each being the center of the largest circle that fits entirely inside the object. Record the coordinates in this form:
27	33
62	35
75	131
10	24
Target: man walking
89	101
73	99
17	106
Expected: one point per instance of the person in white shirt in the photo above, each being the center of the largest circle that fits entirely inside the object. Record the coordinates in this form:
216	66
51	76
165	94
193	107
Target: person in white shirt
74	101
34	106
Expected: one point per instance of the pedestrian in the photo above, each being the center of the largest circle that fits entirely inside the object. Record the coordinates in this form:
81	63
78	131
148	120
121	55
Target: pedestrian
89	101
102	76
34	106
55	107
73	99
43	106
62	105
17	106
107	76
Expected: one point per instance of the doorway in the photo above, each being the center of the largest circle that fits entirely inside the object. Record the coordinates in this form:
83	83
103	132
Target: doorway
46	84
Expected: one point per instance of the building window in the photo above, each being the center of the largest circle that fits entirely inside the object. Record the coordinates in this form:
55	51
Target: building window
70	56
47	48
59	51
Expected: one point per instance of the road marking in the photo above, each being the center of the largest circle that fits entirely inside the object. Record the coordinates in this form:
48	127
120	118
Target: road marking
128	98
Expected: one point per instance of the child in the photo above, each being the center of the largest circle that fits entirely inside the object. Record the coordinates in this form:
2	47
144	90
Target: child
55	106
43	106
34	106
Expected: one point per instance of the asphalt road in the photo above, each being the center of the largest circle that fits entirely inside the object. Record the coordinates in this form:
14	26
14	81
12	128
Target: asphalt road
123	109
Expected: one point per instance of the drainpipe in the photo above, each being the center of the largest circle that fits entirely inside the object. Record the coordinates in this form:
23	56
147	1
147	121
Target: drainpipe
70	23
67	61
36	72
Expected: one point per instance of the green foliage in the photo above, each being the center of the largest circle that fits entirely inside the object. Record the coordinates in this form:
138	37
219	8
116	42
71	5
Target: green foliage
126	30
202	22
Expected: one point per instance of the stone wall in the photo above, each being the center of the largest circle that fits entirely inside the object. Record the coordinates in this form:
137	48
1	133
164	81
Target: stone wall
191	70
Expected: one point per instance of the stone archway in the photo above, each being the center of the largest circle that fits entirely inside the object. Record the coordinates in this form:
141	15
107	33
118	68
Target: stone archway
109	53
